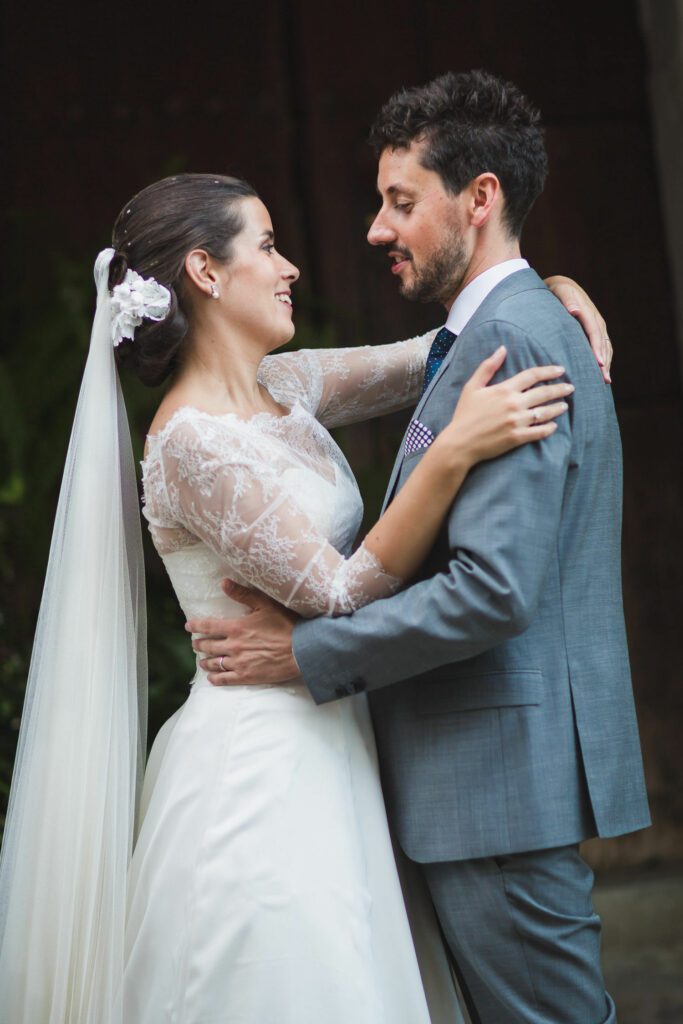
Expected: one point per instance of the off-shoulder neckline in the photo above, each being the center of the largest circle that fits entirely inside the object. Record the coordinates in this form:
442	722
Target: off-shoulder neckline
190	411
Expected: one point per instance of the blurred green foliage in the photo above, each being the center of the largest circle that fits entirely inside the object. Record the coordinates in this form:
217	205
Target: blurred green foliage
47	313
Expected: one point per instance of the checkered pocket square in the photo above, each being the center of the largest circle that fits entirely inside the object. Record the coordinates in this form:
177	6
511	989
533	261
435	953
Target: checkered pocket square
418	437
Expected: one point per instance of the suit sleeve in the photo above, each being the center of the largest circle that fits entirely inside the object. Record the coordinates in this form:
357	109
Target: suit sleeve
502	532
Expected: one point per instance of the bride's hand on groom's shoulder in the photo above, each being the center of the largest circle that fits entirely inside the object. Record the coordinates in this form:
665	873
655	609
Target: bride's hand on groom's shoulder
491	419
252	649
577	302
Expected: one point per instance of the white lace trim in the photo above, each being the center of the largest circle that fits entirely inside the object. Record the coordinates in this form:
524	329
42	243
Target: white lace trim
273	496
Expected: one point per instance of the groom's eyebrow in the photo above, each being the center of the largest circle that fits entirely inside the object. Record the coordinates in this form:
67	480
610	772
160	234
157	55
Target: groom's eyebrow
393	190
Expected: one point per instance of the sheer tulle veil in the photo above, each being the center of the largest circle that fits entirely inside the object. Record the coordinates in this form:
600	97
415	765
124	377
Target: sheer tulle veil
69	830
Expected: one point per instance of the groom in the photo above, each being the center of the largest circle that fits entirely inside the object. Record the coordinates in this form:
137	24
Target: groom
499	680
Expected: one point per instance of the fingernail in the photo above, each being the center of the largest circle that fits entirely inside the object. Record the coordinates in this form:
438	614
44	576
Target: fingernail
570	388
559	369
563	405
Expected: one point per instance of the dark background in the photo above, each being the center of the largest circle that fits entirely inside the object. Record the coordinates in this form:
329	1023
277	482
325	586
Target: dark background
100	102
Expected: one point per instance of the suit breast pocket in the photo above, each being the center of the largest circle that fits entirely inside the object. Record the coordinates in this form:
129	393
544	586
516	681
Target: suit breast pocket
449	693
413	457
418	438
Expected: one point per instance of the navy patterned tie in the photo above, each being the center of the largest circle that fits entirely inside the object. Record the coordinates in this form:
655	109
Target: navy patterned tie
441	346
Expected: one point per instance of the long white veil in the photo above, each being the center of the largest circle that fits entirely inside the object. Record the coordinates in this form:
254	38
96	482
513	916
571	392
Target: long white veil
69	830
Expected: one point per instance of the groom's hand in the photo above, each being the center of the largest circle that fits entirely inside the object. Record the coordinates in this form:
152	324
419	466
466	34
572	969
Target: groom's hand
255	648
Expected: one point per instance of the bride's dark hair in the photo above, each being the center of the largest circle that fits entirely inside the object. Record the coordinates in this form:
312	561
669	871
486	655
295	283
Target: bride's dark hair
152	235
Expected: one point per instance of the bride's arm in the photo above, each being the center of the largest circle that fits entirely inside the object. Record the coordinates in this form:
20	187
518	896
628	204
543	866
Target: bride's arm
240	508
348	385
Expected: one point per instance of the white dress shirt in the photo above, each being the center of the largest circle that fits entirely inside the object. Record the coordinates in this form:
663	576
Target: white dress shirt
471	297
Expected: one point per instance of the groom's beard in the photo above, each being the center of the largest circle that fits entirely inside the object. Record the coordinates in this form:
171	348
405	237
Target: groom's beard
442	276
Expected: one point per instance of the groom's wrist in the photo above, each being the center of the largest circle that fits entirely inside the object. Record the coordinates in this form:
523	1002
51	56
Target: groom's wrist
305	653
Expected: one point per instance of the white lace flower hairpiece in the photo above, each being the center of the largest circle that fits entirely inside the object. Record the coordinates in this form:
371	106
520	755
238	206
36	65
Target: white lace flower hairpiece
134	300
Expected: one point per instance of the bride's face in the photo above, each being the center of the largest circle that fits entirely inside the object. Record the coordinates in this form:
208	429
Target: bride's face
256	284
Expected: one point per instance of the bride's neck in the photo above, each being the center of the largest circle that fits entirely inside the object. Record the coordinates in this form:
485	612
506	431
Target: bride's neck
222	373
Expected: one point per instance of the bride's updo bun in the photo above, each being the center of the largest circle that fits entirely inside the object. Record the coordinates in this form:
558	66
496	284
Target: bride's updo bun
152	235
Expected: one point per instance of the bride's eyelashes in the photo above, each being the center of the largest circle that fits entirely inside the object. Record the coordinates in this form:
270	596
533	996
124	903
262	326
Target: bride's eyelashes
268	247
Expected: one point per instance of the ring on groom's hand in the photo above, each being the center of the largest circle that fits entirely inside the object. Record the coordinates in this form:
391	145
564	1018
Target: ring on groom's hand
220	663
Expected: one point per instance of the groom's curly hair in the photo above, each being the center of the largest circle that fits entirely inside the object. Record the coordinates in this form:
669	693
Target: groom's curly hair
472	122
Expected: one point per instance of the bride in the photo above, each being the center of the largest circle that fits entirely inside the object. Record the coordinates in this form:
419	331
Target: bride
262	888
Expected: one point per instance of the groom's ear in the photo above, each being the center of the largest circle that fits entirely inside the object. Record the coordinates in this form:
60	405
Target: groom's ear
484	196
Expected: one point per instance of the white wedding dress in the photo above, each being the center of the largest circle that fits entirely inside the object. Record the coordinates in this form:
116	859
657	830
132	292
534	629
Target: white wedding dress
263	887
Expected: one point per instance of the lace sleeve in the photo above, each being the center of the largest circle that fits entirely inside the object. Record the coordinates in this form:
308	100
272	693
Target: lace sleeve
345	385
240	507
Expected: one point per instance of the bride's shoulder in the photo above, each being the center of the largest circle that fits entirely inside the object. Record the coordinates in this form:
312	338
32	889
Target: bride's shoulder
170	412
167	421
188	432
175	408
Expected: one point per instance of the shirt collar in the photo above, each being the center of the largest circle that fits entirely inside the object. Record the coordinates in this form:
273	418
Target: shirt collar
471	297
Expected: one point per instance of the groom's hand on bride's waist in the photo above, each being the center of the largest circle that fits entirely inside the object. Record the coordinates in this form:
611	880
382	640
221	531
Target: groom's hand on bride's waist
253	649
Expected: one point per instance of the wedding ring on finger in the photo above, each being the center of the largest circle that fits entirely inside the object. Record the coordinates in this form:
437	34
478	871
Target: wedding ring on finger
220	663
534	417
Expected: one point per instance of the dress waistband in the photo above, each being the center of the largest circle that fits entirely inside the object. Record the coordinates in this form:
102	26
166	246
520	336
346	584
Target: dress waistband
201	682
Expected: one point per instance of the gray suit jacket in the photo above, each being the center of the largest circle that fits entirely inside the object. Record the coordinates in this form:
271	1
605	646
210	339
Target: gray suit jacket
499	681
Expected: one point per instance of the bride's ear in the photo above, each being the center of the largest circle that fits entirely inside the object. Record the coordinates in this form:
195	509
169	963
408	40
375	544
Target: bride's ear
200	271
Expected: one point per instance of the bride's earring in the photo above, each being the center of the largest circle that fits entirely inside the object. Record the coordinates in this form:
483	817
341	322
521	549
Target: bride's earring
214	291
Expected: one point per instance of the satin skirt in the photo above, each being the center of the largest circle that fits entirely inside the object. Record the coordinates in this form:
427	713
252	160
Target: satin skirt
264	887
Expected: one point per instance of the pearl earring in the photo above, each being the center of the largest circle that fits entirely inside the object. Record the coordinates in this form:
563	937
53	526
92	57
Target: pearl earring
214	291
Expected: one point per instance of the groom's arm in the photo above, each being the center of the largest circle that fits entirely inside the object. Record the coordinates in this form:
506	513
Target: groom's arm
502	532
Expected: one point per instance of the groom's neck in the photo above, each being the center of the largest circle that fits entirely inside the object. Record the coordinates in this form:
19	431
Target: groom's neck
488	252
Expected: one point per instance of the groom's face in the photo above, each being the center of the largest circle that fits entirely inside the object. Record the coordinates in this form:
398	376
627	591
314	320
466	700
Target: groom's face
422	226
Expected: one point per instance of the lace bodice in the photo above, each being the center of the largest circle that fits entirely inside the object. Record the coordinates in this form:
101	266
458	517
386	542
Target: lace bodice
271	502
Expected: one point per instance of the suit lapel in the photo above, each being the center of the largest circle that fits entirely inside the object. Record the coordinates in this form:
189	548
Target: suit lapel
521	280
398	462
